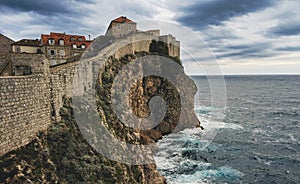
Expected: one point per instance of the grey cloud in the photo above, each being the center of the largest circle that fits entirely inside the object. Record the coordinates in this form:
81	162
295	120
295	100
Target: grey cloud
257	50
40	6
211	37
245	54
288	48
214	12
55	15
286	29
46	7
238	47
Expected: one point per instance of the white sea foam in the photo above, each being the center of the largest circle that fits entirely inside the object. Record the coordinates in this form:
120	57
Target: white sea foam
219	124
179	169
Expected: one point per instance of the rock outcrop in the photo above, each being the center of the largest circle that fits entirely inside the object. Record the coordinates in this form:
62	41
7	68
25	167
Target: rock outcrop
62	155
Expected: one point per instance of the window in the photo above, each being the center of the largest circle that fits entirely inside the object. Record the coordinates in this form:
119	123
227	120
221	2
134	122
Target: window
22	70
53	62
52	52
80	39
27	70
51	41
119	26
61	42
62	53
39	51
18	49
74	46
72	39
83	46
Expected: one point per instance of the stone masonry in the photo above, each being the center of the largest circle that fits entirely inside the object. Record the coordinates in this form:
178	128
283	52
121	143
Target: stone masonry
28	104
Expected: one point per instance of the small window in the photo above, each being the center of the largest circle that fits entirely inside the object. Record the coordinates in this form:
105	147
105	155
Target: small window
72	39
18	49
53	62
27	70
39	51
61	42
74	46
119	26
52	52
21	70
80	39
83	46
51	41
62	53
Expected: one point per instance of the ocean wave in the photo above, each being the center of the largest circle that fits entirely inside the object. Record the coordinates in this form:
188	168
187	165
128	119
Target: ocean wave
222	174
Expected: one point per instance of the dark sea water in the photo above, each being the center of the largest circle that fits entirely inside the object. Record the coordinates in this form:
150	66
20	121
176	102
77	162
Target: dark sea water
257	140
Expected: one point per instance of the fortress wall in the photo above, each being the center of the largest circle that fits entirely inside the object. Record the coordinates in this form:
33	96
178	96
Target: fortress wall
61	80
67	80
24	110
28	104
135	43
39	63
174	51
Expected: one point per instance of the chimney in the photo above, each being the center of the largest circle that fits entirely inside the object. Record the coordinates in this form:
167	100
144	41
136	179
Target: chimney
89	37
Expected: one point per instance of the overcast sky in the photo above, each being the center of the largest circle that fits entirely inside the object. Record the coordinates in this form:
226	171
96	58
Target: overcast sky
246	36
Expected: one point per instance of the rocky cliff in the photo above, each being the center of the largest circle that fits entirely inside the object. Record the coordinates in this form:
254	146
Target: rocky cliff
62	155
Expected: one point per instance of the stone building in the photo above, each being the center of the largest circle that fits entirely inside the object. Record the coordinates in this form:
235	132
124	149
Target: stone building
173	44
27	46
121	26
32	91
5	44
61	47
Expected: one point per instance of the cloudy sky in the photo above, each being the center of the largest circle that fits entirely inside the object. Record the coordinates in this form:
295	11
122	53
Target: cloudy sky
245	36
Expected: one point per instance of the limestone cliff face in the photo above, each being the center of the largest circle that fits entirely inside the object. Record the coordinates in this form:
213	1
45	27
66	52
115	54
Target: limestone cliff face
140	94
62	155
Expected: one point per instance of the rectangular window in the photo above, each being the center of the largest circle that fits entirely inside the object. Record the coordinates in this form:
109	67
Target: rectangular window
27	70
18	49
53	62
21	70
62	53
52	52
61	42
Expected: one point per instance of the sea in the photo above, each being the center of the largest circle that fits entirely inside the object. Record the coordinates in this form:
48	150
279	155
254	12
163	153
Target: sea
255	136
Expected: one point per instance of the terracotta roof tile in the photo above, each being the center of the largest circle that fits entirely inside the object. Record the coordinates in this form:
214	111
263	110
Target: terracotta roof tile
123	19
69	40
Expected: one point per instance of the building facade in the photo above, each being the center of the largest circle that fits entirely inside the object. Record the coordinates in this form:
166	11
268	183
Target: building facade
5	44
27	46
61	47
121	26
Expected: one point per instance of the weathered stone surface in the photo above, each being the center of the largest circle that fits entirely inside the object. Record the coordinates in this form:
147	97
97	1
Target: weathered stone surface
24	110
29	103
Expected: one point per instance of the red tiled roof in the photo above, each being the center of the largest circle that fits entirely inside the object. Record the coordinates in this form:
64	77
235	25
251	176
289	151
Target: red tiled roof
123	19
69	40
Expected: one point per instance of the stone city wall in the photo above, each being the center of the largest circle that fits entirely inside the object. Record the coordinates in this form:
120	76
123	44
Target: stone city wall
24	109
